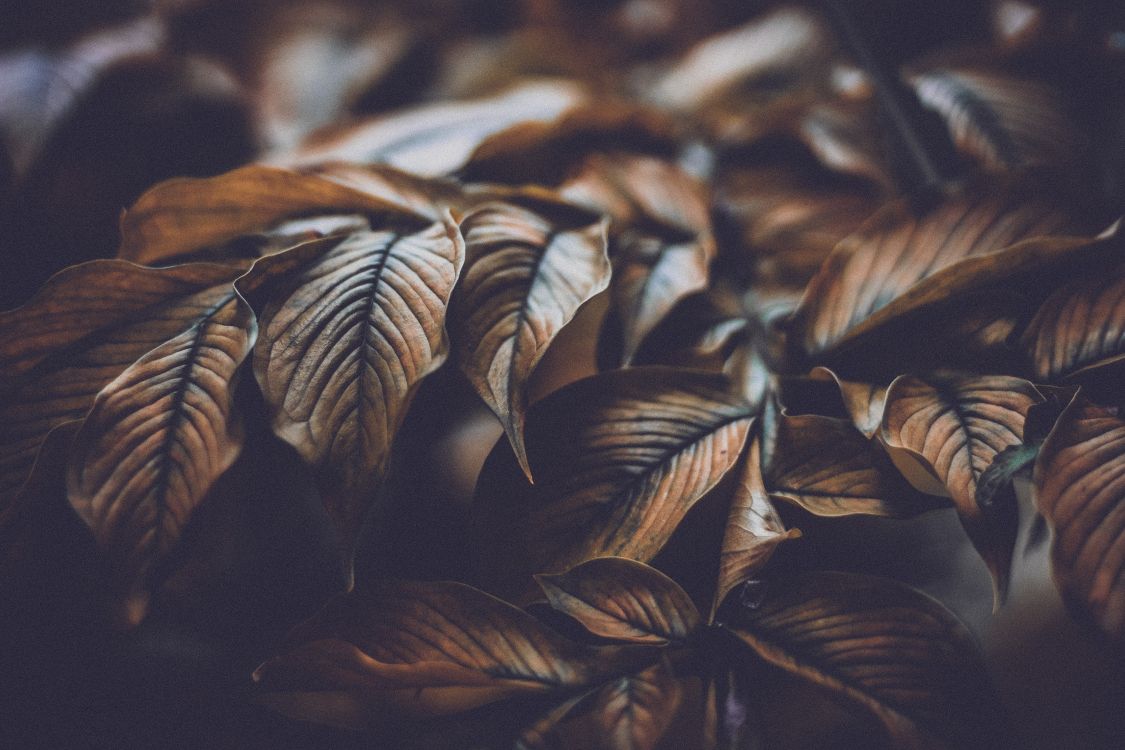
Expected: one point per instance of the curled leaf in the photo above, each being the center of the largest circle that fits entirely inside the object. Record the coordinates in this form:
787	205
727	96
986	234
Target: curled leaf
864	401
622	599
85	326
958	425
348	328
530	267
426	649
1080	490
883	647
186	214
618	459
155	441
753	529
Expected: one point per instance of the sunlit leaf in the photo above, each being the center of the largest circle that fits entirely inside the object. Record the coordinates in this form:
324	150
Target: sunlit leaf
827	467
753	529
618	459
530	266
883	647
1080	326
348	328
426	649
86	326
1080	490
622	599
958	425
156	439
186	214
895	250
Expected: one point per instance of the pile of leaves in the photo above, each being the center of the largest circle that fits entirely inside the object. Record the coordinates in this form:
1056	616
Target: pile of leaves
486	390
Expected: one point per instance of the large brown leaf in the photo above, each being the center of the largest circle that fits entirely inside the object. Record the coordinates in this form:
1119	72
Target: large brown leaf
958	425
426	649
1079	481
827	467
663	244
1081	326
752	532
885	648
155	441
438	139
623	599
1003	122
530	266
182	215
896	249
349	327
618	459
77	334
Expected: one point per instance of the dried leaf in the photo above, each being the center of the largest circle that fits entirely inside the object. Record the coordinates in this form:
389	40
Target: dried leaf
348	328
622	599
752	532
618	459
186	214
827	467
958	425
426	649
85	326
1003	122
883	647
1080	490
864	401
155	441
1081	326
895	250
531	265
438	139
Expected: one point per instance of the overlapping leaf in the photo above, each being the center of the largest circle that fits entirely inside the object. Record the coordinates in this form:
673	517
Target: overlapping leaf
864	401
752	532
156	439
958	425
86	326
618	460
182	215
348	328
1080	326
827	467
895	250
531	265
885	648
624	600
426	649
1080	490
663	245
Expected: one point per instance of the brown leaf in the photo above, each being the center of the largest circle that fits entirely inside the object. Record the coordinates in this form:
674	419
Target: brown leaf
1080	327
633	712
752	532
622	599
425	649
895	250
155	441
348	328
1003	122
426	197
531	265
438	139
864	401
883	647
87	324
827	467
663	244
618	459
183	215
1080	490
958	425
